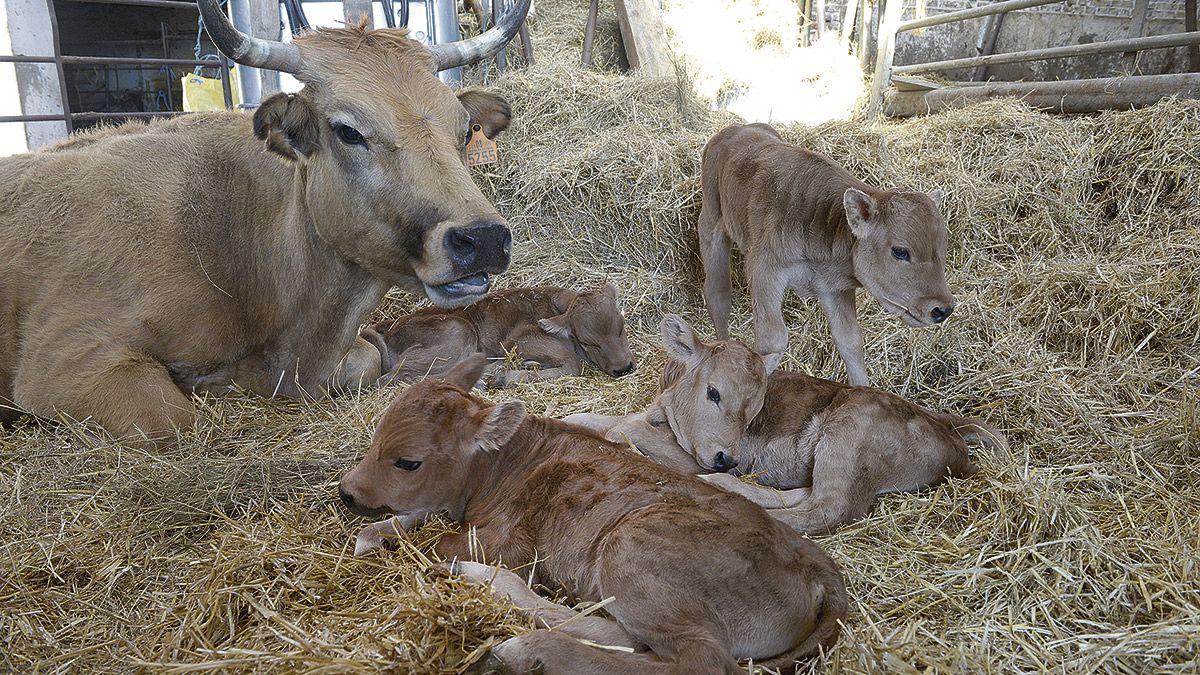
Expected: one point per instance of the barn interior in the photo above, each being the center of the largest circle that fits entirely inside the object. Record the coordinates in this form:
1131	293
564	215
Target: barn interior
1074	254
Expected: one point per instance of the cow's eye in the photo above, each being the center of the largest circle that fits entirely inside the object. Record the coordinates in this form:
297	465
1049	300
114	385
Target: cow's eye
349	135
900	253
407	464
713	394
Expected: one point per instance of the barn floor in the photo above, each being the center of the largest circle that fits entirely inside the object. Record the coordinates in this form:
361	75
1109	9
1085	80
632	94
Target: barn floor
1076	256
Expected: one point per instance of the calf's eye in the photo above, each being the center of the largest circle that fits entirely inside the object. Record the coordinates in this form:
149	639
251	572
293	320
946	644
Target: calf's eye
349	135
713	394
900	253
407	464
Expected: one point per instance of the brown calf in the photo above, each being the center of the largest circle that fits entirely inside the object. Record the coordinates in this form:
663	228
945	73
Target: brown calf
803	222
552	330
824	450
698	576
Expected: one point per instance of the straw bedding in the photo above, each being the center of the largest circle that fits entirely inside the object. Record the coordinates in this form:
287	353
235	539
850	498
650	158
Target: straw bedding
1076	257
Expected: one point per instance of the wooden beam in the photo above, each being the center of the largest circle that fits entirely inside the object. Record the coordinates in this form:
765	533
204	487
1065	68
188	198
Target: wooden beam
1067	96
902	83
892	12
354	11
645	37
1189	24
1138	17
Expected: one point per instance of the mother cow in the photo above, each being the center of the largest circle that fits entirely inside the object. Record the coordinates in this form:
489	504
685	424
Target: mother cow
219	249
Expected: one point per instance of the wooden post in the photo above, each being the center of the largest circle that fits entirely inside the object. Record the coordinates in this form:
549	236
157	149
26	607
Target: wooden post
354	11
819	17
987	43
264	23
501	56
645	37
1189	24
848	21
1138	17
589	33
892	12
866	34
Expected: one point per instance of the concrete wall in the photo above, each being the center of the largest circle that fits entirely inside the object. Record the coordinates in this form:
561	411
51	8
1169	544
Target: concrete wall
1059	24
27	31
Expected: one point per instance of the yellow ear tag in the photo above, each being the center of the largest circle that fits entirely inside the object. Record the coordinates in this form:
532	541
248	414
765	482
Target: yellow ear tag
481	149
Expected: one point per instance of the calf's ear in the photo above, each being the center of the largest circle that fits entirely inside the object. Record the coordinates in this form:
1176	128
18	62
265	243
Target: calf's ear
679	339
499	424
938	197
557	326
467	372
861	209
610	290
489	111
288	125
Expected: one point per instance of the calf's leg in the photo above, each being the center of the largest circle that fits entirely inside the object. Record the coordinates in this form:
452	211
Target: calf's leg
847	335
714	251
767	288
766	497
842	488
359	368
128	393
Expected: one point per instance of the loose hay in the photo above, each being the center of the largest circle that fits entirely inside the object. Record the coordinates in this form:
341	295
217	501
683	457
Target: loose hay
1076	254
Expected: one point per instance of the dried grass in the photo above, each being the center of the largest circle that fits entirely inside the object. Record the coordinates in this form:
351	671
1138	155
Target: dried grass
1076	255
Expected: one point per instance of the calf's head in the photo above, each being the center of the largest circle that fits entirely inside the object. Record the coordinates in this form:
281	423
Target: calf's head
595	327
378	142
711	393
425	456
900	241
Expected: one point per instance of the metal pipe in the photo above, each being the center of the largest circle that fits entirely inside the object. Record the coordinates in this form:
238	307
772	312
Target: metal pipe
166	4
972	13
90	115
58	67
249	81
1065	96
1106	47
226	91
105	60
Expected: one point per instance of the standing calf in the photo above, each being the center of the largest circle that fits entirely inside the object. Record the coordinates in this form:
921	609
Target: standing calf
824	450
699	576
552	330
803	222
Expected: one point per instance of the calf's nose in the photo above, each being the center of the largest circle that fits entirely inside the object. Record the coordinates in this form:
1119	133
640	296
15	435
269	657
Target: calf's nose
482	247
939	314
621	372
347	498
723	463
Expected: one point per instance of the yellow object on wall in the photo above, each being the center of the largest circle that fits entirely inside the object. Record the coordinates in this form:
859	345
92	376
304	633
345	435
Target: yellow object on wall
205	93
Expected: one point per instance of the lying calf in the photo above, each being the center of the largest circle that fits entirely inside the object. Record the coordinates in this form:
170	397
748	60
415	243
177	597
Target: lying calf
700	577
823	450
553	331
803	222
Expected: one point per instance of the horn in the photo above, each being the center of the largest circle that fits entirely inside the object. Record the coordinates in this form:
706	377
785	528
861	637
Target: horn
244	49
480	47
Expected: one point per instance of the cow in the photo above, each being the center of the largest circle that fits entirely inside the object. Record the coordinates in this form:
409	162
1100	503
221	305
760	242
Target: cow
698	576
553	331
805	223
820	451
220	250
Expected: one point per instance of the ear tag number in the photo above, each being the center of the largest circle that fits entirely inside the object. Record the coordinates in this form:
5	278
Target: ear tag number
481	149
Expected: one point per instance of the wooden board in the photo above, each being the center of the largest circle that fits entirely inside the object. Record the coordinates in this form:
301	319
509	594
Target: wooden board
645	37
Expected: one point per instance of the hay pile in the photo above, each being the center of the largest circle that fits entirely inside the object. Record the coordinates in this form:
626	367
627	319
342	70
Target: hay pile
1076	256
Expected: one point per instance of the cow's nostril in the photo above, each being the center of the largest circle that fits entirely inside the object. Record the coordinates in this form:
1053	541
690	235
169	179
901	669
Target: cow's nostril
460	243
347	498
621	372
939	314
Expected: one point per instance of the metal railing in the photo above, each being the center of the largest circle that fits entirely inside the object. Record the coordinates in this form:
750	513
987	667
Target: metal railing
1103	90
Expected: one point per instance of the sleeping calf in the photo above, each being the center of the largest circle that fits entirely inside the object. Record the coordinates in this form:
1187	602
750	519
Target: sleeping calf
701	577
823	450
553	330
803	222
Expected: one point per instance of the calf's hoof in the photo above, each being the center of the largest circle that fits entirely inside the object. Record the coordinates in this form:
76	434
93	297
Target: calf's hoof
381	535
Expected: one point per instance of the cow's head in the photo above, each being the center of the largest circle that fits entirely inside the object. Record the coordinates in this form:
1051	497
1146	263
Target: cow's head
900	241
595	328
711	391
426	453
378	141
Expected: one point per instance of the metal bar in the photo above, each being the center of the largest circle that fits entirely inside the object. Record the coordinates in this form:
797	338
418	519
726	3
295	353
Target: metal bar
1106	47
226	89
105	60
58	66
1189	24
1066	96
892	12
1129	60
166	4
589	33
89	115
501	56
972	13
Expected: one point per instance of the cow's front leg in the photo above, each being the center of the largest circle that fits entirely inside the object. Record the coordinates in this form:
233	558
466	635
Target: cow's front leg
126	391
358	369
847	335
767	287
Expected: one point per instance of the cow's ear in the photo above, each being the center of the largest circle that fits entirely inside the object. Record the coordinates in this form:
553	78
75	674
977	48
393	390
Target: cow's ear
466	373
288	125
680	340
557	326
489	111
499	424
861	209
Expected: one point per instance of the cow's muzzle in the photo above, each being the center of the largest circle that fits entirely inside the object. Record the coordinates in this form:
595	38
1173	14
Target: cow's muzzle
480	248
